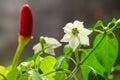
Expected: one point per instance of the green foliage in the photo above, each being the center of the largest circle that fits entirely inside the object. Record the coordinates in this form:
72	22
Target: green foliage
47	65
91	62
3	72
95	63
107	51
94	76
98	24
34	75
61	64
14	72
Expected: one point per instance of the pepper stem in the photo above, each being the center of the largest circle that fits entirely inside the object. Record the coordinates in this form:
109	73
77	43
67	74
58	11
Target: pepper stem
22	41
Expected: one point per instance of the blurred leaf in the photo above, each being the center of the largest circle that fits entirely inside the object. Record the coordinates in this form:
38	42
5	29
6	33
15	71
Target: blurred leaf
117	67
23	76
107	51
94	76
3	72
34	75
113	22
60	76
90	62
59	62
47	65
99	23
26	60
2	77
62	63
13	74
62	59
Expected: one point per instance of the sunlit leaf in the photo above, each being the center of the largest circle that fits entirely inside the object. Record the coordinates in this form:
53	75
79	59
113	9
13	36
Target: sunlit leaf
47	65
23	76
3	72
13	74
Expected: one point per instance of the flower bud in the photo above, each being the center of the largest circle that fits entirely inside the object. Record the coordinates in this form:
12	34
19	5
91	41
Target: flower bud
26	21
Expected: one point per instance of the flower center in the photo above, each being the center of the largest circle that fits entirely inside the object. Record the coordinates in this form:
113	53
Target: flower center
75	31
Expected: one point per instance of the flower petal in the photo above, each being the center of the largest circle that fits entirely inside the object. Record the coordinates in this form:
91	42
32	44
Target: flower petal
68	28
50	51
84	40
85	32
52	42
37	47
74	42
78	24
65	38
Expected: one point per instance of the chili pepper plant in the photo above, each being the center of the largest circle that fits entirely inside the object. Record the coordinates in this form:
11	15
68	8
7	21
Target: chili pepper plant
90	63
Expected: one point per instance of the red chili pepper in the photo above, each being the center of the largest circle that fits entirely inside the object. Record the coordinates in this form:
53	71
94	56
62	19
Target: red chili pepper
26	22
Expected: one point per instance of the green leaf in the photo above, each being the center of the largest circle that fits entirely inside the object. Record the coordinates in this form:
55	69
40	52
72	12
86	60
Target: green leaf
62	63
61	60
94	76
99	23
23	76
29	59
67	49
112	22
107	51
34	75
47	65
60	76
90	62
117	68
67	52
3	72
13	74
37	54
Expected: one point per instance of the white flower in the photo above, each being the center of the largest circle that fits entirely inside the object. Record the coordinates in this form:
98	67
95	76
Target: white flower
76	34
50	44
118	21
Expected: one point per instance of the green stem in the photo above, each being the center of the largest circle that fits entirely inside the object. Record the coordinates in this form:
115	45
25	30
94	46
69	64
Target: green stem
76	55
22	41
96	30
93	49
111	29
17	54
67	71
73	72
73	60
62	70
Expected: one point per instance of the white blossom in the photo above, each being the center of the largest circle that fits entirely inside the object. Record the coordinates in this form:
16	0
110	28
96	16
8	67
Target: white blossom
118	21
76	34
49	45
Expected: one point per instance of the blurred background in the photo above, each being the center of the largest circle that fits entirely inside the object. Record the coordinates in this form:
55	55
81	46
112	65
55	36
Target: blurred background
49	18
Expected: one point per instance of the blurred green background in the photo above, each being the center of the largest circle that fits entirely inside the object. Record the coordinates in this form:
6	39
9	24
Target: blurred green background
49	18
